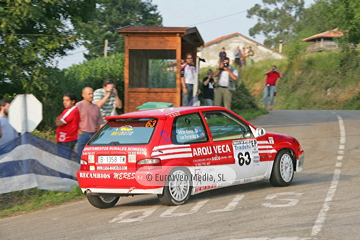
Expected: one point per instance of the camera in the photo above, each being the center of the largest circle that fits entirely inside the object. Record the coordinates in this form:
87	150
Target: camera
226	64
111	90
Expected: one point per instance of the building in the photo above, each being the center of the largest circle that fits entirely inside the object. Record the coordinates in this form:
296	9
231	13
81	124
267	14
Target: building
323	41
210	51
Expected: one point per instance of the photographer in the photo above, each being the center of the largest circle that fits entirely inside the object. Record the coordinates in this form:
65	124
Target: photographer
225	84
107	98
270	88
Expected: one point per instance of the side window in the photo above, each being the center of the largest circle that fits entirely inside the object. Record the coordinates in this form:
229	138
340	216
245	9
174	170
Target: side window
224	126
188	129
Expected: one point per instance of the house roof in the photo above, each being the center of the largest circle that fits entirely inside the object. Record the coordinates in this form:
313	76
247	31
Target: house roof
335	33
183	31
220	39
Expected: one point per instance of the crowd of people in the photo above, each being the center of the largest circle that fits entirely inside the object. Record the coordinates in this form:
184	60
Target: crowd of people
218	87
79	121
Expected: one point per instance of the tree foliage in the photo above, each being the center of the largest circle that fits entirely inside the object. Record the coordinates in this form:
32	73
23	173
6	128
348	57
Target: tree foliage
276	19
32	32
109	17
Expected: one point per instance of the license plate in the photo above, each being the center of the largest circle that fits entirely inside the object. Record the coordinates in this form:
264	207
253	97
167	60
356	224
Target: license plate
111	159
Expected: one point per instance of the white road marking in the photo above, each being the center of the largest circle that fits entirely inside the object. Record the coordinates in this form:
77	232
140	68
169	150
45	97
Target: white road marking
338	164
231	206
145	213
194	209
334	183
291	201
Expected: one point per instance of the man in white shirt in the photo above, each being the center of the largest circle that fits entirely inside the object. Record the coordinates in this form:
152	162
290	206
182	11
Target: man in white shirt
8	132
187	79
225	84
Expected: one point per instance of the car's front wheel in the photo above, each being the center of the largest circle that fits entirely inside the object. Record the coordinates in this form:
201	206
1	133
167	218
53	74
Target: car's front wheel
177	188
283	170
102	202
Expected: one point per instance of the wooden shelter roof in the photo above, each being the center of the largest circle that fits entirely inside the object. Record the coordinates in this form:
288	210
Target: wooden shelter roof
335	33
191	34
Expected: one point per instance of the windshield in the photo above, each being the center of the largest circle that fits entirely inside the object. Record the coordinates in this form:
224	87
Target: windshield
125	132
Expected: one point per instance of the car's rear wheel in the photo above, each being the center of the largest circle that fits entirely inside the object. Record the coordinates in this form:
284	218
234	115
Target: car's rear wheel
283	170
177	188
102	202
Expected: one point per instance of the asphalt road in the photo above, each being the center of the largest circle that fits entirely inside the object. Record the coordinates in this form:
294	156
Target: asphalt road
322	203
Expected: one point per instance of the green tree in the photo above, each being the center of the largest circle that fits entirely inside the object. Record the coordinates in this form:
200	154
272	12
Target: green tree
276	19
33	32
109	17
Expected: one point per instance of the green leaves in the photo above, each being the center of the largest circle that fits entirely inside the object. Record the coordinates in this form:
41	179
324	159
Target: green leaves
276	19
111	16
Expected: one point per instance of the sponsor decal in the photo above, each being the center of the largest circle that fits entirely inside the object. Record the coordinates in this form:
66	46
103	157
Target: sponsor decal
111	168
201	151
132	158
271	140
203	188
121	176
173	114
95	175
246	152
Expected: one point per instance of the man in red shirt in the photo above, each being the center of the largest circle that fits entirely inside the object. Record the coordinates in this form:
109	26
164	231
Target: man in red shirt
68	122
270	88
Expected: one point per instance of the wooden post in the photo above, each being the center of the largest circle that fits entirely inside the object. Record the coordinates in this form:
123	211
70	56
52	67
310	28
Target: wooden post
106	47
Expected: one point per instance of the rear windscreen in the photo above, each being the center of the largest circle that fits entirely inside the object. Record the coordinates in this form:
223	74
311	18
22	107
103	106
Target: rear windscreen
125	132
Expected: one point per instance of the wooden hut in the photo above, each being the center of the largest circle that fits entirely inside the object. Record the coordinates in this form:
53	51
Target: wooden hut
324	41
152	63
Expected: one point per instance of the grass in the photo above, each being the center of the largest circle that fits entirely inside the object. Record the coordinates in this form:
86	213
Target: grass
15	203
318	81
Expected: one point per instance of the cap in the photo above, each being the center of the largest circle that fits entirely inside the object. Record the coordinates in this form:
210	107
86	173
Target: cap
209	71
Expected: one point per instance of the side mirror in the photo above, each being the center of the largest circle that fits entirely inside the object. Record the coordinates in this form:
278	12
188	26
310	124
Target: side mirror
260	132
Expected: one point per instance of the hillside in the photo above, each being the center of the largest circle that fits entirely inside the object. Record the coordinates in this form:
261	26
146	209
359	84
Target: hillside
322	81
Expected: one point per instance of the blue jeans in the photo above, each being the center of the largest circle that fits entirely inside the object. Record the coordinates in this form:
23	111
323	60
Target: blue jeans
82	140
208	102
186	98
269	91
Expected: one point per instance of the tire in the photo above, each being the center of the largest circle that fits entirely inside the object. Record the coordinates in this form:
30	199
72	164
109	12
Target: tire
177	189
102	202
283	170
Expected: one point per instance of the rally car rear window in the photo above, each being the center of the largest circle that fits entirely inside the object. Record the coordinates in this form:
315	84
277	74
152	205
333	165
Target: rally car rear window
125	132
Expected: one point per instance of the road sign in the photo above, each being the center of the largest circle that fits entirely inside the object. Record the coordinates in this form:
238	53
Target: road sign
25	113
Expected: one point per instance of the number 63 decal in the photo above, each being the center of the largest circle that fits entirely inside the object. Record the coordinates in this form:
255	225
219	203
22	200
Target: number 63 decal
242	160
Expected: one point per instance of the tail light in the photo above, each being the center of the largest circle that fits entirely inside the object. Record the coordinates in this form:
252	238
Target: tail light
148	163
84	163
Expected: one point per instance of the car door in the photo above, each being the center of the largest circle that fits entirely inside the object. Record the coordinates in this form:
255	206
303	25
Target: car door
234	139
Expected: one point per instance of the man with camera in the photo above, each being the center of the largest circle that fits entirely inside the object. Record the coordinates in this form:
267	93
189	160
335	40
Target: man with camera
107	98
270	88
225	85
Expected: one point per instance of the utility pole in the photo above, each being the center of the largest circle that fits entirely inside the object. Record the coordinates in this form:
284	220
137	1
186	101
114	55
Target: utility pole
106	47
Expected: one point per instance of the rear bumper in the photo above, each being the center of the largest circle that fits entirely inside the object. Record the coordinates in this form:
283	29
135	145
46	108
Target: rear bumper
123	191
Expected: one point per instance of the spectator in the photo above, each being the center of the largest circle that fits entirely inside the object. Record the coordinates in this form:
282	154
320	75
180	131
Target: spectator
225	84
208	88
270	88
68	122
238	55
90	118
243	59
249	56
107	98
8	132
188	72
222	55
